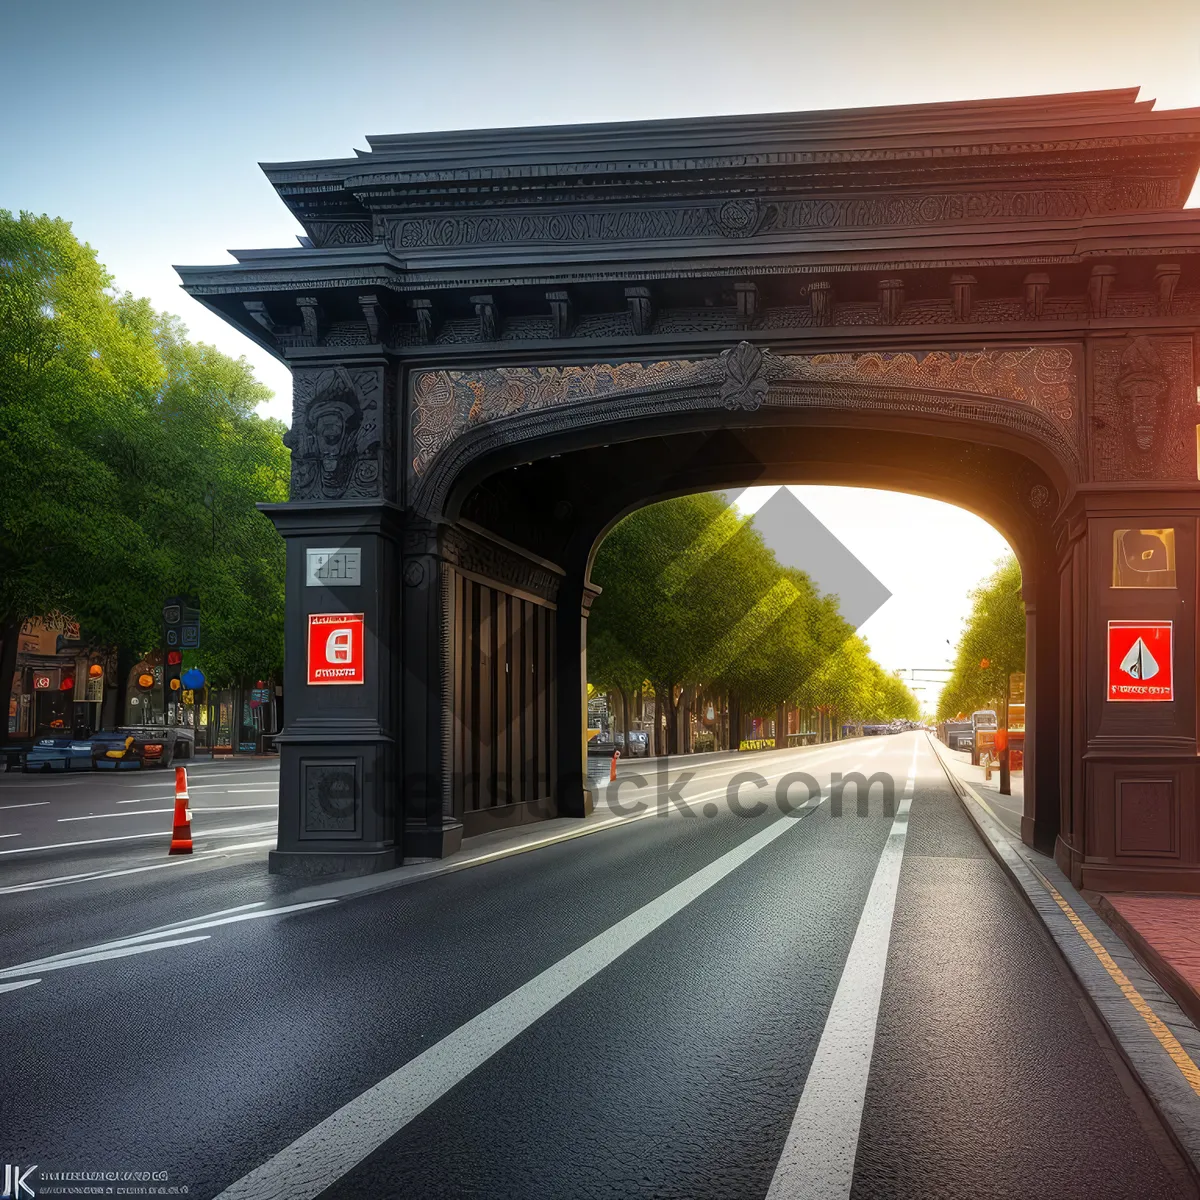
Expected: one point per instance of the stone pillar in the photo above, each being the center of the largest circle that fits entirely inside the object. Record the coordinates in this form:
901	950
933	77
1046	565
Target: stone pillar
1040	820
1134	784
338	780
430	827
572	795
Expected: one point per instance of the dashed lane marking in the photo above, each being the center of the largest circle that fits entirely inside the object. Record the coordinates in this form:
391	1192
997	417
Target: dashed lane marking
30	804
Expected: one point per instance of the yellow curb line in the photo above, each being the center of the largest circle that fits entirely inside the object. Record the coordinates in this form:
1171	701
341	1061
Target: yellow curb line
1169	1042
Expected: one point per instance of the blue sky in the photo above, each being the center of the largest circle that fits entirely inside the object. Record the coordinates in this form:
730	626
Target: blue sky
143	123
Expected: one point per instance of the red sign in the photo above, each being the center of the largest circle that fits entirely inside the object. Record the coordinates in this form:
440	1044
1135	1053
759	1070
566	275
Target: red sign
1140	660
335	648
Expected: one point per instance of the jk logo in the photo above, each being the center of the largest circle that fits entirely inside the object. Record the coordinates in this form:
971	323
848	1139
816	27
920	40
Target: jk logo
16	1182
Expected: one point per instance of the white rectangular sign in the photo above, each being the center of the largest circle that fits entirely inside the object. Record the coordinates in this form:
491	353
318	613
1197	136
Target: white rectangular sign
338	566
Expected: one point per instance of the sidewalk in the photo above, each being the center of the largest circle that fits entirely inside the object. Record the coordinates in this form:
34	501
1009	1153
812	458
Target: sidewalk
1163	930
1008	809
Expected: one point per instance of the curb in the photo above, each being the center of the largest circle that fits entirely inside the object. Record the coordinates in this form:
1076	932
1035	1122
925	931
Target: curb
1154	1036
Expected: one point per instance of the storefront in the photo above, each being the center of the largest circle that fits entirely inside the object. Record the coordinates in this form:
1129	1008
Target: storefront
60	685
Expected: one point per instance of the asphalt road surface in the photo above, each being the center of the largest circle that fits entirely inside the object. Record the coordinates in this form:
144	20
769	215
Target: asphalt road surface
685	1004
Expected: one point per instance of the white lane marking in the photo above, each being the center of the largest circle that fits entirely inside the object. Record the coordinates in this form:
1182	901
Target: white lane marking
20	983
203	775
4	835
46	783
818	1157
129	837
223	790
144	812
229	807
141	812
30	804
104	955
221	912
320	1157
88	876
110	949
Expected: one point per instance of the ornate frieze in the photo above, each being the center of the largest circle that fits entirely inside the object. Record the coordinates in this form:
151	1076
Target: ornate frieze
340	436
1144	410
746	216
340	233
445	404
474	554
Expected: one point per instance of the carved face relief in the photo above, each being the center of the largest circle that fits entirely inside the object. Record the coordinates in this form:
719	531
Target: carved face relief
337	434
1141	387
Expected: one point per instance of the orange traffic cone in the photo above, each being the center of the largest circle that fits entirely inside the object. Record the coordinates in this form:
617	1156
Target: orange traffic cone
181	836
612	770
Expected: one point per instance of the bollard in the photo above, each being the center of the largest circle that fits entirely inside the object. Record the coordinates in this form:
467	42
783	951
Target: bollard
612	770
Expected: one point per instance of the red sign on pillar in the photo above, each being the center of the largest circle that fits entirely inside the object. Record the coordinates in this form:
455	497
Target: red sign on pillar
1140	660
335	648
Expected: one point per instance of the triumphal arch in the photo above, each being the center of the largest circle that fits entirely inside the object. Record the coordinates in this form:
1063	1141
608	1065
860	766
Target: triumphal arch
502	340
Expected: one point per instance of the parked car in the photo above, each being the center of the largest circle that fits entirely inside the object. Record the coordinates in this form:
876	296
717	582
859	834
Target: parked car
134	746
639	744
58	754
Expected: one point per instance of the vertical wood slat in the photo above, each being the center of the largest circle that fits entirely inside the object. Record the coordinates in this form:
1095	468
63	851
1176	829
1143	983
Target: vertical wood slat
516	680
538	721
470	621
459	733
487	683
502	792
551	688
528	710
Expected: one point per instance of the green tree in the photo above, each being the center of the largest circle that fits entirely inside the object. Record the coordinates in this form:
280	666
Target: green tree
995	634
113	431
695	602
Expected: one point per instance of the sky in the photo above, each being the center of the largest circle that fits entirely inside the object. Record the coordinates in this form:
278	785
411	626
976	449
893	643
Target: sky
143	121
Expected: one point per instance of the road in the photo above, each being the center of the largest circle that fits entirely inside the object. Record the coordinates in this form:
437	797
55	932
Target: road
682	1004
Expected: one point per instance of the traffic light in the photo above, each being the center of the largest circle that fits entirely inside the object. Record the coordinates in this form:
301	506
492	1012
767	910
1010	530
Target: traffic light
172	672
181	630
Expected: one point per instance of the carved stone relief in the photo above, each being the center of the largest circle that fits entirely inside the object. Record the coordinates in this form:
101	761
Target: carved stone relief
1144	412
445	404
340	437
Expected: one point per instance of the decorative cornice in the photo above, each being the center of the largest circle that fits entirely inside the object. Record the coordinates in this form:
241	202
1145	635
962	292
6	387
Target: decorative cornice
490	561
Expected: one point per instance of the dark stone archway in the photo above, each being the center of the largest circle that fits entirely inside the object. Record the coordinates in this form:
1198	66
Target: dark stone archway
503	340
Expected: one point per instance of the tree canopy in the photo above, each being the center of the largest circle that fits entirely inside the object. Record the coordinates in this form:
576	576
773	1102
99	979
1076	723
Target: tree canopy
995	634
693	598
131	461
